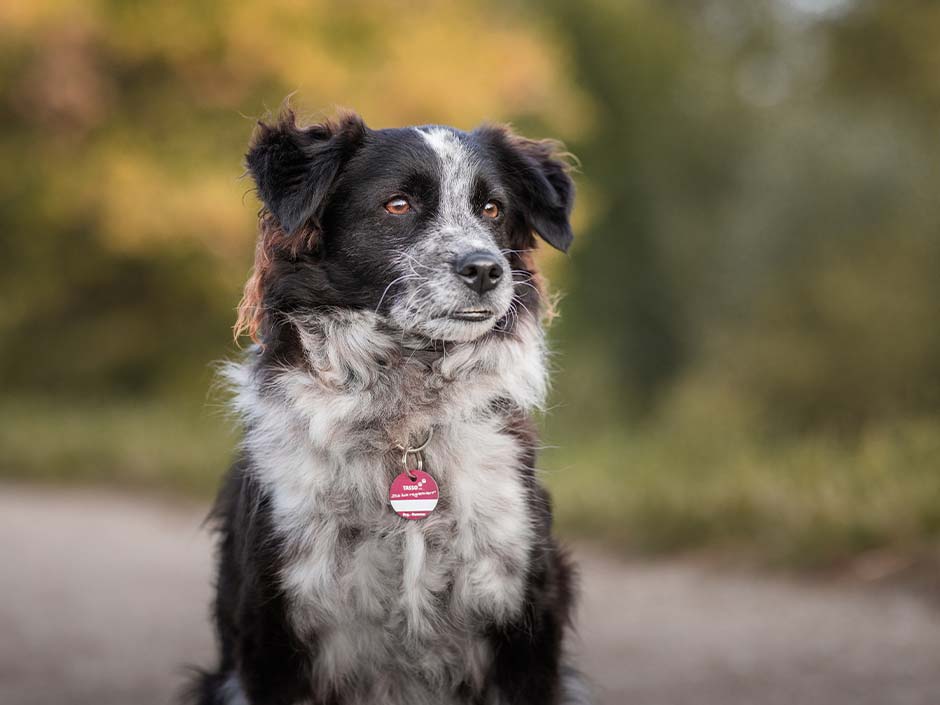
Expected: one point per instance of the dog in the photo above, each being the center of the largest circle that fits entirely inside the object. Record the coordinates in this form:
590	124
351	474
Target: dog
395	309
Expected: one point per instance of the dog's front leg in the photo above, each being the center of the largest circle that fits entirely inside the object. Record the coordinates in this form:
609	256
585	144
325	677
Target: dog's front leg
272	667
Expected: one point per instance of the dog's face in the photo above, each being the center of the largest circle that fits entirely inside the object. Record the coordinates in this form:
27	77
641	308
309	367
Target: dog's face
429	227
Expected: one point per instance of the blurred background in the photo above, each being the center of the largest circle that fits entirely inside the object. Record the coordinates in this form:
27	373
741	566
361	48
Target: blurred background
748	353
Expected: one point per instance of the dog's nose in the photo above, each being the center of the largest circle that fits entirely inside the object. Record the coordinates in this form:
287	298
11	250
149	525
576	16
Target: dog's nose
480	270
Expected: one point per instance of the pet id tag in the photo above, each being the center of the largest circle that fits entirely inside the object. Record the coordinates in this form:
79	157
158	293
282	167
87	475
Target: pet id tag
414	493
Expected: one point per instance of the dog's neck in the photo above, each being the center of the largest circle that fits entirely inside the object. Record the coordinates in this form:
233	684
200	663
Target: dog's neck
365	381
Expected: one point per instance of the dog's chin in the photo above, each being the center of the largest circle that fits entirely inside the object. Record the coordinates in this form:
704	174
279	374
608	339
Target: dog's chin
455	329
460	326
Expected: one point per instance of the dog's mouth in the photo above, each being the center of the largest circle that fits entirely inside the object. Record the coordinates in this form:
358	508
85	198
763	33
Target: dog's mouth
471	315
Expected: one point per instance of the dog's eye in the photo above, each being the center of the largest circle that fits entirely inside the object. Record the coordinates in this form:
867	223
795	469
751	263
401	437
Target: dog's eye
398	206
491	209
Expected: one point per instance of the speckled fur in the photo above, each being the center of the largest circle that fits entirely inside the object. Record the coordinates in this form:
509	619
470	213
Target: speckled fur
396	605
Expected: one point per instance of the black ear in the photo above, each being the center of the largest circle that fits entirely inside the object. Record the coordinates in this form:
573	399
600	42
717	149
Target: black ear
540	180
295	167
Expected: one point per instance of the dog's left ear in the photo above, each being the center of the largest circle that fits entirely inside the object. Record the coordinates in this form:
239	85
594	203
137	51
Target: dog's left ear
539	177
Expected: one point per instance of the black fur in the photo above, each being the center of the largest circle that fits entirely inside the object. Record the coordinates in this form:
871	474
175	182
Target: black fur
539	178
295	168
251	622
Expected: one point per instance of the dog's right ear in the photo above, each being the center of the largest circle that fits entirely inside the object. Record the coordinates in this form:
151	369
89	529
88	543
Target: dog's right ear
294	168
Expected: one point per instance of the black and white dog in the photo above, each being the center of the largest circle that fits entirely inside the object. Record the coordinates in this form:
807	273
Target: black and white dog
396	311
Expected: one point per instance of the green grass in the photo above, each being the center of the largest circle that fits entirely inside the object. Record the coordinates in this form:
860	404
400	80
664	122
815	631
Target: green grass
683	486
156	445
806	503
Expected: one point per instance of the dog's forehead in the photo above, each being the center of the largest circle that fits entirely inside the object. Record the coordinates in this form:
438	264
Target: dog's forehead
458	166
440	149
391	147
450	146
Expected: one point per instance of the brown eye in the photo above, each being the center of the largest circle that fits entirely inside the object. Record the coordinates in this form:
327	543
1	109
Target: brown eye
491	210
398	206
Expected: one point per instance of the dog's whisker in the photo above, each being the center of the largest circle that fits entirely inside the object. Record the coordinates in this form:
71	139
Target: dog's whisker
537	291
415	261
417	292
403	277
525	308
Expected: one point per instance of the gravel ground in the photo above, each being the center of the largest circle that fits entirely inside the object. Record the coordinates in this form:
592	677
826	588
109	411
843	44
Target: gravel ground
104	601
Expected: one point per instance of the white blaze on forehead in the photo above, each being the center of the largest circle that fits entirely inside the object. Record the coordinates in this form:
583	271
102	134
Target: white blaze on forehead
458	168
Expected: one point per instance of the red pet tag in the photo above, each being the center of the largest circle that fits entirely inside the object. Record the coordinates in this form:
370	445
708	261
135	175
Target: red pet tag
414	495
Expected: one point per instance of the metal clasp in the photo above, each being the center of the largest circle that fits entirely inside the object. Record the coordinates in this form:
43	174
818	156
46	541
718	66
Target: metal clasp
415	451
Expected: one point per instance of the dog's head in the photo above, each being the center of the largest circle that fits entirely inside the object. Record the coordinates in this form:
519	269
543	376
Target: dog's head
429	227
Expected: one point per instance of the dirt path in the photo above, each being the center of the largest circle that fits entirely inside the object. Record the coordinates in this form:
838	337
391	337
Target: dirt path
104	597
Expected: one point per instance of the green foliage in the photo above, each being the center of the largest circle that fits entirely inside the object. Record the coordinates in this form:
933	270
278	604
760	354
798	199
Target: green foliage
749	352
759	215
153	445
126	227
806	504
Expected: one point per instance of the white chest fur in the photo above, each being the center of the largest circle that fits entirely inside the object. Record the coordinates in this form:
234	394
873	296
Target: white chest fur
402	599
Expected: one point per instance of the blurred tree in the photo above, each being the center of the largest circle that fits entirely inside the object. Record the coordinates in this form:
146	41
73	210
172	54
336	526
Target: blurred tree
764	209
757	252
886	53
661	153
759	184
842	331
622	299
125	227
